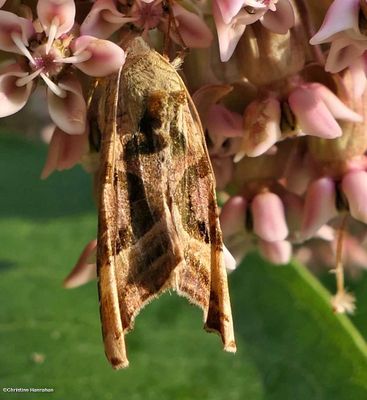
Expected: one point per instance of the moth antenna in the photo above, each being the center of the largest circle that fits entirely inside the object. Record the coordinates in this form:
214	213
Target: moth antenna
91	91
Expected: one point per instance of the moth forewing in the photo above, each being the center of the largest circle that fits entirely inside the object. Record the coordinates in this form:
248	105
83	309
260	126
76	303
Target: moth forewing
158	223
112	330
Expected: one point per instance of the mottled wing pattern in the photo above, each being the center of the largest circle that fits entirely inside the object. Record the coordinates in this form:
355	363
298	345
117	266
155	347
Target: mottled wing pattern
158	225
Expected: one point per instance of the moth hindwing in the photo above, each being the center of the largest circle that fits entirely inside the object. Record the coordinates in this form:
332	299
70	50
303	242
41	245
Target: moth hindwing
158	224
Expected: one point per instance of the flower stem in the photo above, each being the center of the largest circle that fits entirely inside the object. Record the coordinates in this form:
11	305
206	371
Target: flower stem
339	269
304	15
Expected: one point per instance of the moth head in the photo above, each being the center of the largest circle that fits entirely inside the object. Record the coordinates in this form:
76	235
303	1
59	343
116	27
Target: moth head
138	48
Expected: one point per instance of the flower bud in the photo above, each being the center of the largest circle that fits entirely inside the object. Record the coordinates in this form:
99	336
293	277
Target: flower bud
320	206
276	252
354	186
233	216
261	127
269	218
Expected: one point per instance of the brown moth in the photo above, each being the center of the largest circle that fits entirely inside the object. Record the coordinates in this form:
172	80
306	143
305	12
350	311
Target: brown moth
158	219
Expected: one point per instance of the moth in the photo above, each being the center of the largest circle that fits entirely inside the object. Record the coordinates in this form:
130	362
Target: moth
158	225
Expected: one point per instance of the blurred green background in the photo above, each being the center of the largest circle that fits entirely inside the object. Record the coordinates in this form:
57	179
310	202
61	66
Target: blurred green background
290	344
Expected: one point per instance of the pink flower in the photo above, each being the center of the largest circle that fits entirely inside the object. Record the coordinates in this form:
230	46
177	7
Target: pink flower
320	206
278	253
207	96
223	130
233	216
68	111
222	127
341	28
223	133
232	16
193	30
103	20
47	58
261	127
317	108
64	151
147	15
269	217
358	71
15	33
95	57
354	186
85	269
228	34
13	96
268	224
56	17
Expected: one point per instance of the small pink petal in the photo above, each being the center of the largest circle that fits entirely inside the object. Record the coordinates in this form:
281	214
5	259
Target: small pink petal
261	122
228	34
64	151
60	11
313	116
193	30
233	216
279	253
2	2
11	24
354	186
343	52
338	109
68	113
224	129
320	206
357	70
268	217
342	15
103	20
13	97
208	95
223	122
280	20
105	57
229	8
85	269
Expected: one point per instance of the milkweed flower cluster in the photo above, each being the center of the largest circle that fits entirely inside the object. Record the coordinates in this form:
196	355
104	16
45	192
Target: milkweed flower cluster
280	89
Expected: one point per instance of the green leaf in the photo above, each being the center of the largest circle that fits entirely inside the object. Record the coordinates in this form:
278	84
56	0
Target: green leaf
302	349
290	344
